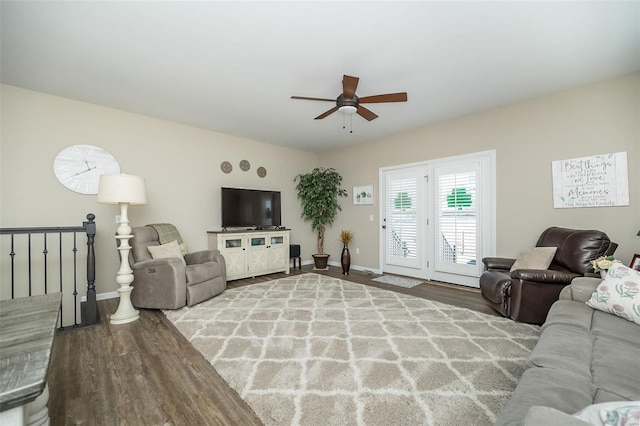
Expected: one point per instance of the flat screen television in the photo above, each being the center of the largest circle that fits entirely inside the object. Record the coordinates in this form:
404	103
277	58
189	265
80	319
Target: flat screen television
250	208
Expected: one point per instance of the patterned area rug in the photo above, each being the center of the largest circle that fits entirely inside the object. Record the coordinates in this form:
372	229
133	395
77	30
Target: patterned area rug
315	350
399	281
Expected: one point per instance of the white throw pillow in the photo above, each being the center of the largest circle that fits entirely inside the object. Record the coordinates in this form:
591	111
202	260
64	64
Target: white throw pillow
165	251
619	293
618	413
535	258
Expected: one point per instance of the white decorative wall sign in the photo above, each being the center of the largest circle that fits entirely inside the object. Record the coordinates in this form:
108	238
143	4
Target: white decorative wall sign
363	195
595	181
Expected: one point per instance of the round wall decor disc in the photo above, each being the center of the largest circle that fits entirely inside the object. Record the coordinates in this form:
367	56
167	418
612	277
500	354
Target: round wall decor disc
226	167
244	165
262	172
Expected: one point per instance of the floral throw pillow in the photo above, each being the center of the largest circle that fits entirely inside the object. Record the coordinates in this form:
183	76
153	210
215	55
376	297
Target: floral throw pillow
617	413
619	293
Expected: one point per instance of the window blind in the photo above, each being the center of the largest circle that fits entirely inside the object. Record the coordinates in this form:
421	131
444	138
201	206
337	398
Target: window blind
402	198
457	218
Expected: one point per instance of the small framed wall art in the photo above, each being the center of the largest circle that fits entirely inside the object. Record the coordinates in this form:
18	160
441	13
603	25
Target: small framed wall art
363	195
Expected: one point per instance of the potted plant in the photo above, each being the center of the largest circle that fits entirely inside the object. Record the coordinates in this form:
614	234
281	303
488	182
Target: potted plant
318	192
346	237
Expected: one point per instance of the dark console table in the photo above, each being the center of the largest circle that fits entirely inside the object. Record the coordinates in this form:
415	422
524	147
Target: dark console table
27	328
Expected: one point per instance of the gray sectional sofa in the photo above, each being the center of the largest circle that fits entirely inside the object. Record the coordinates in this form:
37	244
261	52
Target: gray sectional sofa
584	357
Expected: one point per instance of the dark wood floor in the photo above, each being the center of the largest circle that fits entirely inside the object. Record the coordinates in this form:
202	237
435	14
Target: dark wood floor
147	373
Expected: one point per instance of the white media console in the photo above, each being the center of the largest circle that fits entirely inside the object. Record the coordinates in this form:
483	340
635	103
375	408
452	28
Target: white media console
251	253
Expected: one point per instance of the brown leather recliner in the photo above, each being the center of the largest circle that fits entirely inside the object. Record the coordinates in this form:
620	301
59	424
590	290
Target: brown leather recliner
526	295
172	283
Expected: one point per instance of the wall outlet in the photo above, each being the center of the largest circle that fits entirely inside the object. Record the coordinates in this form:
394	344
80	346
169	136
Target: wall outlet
357	250
370	218
117	218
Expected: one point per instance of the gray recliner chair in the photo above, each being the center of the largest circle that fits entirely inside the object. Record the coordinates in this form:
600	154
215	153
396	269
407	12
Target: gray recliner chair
171	283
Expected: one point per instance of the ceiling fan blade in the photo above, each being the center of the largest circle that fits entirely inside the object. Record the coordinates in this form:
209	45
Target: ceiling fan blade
312	99
324	114
389	97
365	113
349	85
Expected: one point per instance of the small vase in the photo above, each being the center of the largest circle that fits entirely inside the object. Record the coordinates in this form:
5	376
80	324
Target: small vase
603	273
345	259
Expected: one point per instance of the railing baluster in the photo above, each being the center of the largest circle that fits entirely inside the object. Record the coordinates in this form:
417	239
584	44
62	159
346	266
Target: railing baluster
45	252
13	268
75	280
29	263
61	280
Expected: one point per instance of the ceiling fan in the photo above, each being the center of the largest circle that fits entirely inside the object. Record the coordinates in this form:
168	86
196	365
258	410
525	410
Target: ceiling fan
348	103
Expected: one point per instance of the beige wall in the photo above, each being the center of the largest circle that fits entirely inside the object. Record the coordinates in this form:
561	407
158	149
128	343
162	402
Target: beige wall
181	166
595	119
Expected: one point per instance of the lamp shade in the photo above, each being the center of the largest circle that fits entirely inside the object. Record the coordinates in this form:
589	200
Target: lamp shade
115	189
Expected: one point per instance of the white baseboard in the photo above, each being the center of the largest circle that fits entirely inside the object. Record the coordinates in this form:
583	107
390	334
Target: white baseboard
339	265
103	296
356	267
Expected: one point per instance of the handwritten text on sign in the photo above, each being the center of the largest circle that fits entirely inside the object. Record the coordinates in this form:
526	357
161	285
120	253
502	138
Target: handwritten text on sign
596	181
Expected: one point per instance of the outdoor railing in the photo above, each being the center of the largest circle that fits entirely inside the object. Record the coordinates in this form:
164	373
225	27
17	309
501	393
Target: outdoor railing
448	252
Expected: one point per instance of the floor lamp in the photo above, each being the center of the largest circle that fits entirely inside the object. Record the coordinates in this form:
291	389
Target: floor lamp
124	190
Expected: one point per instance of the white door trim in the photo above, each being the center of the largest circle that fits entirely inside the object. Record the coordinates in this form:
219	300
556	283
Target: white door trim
487	228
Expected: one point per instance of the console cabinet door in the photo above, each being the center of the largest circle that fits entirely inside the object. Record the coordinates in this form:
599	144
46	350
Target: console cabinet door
258	248
234	250
278	257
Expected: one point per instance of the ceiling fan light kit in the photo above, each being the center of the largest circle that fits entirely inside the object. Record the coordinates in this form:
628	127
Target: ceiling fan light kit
348	109
348	103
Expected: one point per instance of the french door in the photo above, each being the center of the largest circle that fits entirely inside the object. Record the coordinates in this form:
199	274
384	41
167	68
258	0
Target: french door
403	223
438	218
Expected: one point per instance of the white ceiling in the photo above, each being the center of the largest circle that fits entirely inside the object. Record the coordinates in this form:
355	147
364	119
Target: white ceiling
232	66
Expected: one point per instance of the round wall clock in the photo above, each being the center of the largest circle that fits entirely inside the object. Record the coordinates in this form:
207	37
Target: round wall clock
78	167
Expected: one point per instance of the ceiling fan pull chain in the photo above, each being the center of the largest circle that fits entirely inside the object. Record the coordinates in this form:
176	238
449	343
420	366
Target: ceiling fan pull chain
344	122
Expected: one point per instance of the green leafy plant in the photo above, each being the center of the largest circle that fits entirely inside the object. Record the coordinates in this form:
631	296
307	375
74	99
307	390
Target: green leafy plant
318	192
402	201
459	198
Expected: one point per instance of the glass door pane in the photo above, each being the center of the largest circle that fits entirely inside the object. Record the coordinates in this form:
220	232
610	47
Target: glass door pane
457	219
258	241
402	205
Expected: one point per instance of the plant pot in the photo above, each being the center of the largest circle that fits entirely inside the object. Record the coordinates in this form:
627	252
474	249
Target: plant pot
321	261
345	260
